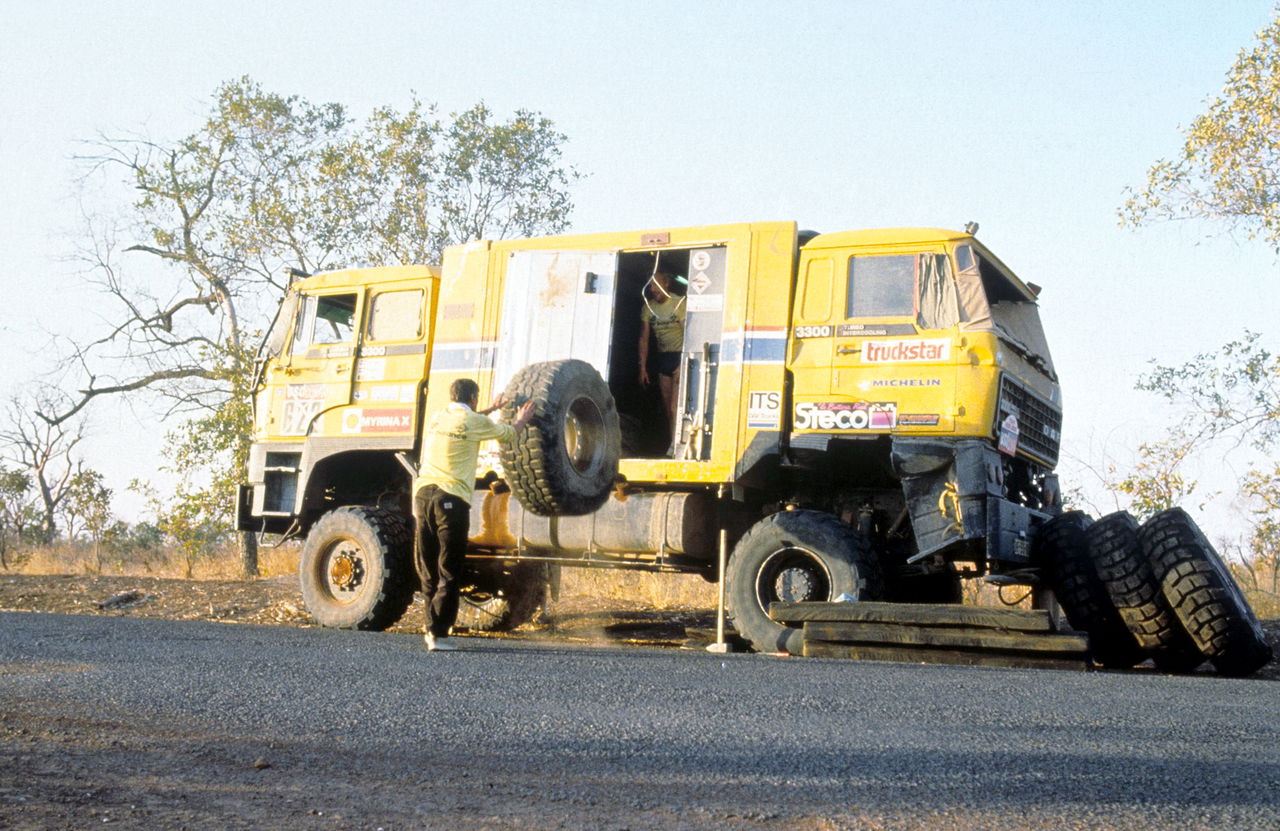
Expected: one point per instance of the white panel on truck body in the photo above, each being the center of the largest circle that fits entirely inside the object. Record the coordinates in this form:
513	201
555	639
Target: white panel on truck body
556	305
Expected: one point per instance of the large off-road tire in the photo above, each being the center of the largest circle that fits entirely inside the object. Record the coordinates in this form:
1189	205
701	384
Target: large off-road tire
1127	574
796	556
498	599
1062	550
1203	595
356	570
565	461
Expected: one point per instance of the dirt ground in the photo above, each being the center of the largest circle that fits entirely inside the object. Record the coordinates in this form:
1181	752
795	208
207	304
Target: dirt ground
277	601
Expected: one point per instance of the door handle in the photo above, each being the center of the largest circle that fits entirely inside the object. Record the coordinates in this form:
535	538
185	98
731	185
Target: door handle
848	350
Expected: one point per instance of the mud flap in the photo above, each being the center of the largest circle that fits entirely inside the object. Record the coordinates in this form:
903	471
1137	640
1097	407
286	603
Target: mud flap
244	509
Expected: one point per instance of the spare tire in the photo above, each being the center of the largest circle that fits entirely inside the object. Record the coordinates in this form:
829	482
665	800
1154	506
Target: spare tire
1062	550
1126	572
565	461
1203	595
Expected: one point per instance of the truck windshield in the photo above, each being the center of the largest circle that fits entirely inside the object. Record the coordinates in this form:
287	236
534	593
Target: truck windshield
898	285
990	300
273	343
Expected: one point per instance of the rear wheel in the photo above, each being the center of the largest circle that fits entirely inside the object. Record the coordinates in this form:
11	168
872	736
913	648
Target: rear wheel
1126	572
796	556
565	461
356	570
1062	549
498	598
1203	595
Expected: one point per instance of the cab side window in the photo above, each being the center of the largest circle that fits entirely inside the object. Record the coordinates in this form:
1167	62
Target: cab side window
881	286
325	319
396	315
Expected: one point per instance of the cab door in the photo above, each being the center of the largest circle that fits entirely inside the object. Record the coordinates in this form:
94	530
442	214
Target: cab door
893	354
318	372
393	355
867	352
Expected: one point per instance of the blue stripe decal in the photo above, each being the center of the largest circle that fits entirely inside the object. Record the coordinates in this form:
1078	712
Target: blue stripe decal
756	349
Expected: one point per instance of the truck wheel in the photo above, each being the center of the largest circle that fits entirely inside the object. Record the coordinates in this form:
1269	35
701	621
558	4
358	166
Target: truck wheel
1203	595
565	461
500	599
1062	550
1126	572
795	556
356	570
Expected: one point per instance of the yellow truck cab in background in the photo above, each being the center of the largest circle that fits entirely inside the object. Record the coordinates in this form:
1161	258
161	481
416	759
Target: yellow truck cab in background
865	413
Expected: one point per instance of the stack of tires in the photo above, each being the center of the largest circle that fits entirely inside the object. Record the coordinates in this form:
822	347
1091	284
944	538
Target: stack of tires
1157	590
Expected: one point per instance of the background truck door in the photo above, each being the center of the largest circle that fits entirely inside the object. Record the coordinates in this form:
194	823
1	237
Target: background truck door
893	349
319	370
392	361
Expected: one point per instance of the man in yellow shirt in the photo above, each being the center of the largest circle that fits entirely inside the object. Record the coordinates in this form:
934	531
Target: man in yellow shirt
442	498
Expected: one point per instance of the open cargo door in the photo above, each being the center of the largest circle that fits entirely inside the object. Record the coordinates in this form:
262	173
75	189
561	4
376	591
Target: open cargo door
556	304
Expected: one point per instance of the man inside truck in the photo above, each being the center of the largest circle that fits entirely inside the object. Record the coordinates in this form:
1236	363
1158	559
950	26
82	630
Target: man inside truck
442	499
663	315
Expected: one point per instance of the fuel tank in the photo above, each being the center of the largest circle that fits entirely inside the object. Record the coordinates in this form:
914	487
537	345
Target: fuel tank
643	523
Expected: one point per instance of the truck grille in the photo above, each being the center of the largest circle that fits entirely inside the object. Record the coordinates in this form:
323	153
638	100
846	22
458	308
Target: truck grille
1039	422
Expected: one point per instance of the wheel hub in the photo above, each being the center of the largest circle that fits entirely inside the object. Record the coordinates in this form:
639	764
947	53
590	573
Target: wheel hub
346	571
793	575
795	585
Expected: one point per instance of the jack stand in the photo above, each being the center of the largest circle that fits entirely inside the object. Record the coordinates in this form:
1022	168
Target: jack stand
721	646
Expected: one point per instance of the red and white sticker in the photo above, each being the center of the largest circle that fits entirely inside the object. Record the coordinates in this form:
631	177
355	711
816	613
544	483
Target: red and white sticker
906	351
1009	435
377	421
846	415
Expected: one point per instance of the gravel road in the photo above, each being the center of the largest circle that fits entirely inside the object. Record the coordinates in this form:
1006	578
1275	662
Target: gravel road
167	725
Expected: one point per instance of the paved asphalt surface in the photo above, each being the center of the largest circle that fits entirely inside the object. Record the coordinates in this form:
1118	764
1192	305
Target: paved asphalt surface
367	730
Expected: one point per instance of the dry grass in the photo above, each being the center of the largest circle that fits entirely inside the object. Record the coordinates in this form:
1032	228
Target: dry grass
162	562
656	591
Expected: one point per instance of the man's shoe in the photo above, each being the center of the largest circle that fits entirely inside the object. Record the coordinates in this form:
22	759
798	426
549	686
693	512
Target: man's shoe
441	644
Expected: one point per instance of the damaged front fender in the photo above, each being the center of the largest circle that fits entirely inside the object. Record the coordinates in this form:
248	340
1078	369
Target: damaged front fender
956	502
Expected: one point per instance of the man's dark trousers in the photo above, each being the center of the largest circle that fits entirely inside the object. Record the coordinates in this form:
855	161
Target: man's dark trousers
444	520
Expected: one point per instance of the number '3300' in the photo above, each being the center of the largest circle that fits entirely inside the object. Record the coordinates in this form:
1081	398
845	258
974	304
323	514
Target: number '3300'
813	331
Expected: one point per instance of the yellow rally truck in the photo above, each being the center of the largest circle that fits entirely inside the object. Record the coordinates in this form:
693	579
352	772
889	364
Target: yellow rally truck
865	414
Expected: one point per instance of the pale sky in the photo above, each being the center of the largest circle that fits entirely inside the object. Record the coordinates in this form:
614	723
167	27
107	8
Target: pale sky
1029	118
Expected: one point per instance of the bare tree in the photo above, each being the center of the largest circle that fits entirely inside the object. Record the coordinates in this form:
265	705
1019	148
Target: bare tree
44	451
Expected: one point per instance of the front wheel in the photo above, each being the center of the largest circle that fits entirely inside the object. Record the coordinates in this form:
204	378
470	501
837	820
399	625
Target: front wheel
356	569
792	557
